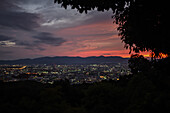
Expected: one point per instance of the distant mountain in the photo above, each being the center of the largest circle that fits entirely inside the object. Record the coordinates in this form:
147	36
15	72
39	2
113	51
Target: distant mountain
68	60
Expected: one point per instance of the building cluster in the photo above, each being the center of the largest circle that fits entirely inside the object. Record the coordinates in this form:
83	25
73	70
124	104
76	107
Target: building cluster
76	74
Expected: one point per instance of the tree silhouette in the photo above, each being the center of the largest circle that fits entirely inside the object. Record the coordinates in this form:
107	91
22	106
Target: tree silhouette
138	64
143	25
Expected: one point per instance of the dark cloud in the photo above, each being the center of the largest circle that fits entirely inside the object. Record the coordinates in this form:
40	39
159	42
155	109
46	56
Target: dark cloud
48	38
98	17
30	45
5	38
13	16
35	2
19	20
39	40
5	52
7	5
6	41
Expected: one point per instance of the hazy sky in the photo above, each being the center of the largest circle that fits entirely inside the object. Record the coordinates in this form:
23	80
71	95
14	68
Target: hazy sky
36	28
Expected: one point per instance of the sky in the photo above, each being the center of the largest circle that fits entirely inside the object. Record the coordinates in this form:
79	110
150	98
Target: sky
38	28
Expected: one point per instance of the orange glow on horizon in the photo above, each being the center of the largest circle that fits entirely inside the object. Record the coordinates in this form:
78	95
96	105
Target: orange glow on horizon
122	53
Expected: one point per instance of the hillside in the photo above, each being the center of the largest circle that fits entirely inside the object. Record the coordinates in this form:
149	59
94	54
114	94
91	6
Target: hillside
68	60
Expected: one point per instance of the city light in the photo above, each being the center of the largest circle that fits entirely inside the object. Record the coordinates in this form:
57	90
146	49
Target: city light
76	74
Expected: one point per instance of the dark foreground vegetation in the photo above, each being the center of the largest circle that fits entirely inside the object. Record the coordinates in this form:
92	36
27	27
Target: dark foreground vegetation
145	91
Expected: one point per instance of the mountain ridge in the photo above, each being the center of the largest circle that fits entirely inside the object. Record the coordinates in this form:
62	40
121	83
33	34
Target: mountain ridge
68	60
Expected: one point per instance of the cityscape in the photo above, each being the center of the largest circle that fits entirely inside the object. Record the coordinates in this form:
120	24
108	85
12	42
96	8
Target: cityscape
76	74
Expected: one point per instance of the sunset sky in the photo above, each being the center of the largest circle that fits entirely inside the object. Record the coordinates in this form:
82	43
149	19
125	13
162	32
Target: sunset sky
37	28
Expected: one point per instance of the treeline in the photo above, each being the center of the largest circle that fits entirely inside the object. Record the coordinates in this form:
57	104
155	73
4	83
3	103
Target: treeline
142	92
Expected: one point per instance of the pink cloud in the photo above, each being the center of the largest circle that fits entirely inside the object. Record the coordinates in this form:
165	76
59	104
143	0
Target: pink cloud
91	40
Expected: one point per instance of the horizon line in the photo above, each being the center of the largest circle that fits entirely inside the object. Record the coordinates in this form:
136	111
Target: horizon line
63	56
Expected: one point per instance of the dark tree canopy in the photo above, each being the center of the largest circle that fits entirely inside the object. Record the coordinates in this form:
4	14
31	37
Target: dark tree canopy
143	24
101	5
146	27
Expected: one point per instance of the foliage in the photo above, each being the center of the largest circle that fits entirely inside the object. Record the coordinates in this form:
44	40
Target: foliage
87	5
138	63
145	27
